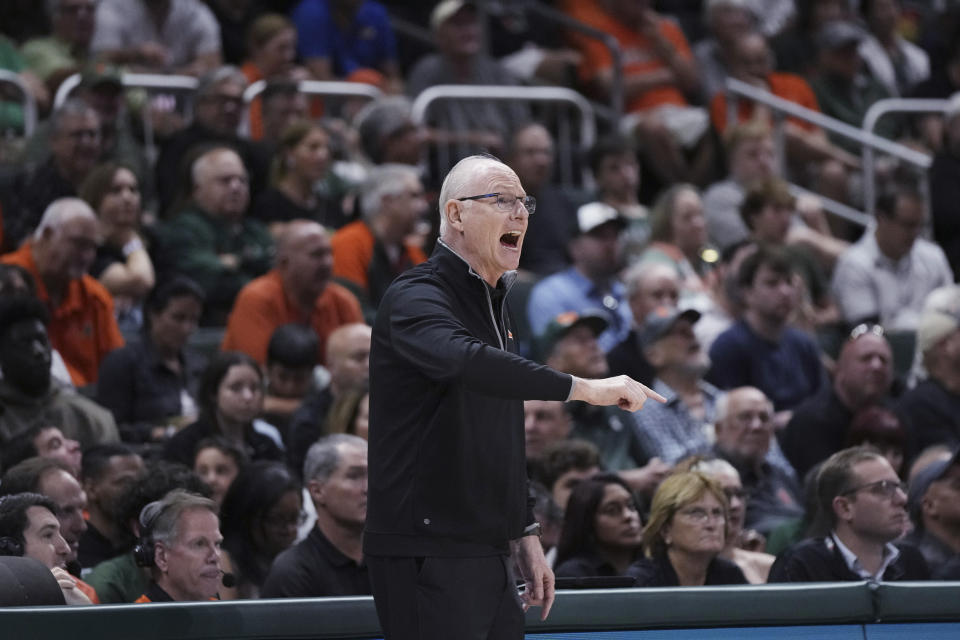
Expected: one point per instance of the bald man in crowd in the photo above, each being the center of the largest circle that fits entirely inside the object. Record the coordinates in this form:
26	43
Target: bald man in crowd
297	290
82	323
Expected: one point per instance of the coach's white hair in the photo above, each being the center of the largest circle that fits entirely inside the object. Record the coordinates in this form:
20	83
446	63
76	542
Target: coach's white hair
61	211
461	174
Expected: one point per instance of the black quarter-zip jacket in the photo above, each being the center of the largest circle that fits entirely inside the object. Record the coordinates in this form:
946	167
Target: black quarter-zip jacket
447	468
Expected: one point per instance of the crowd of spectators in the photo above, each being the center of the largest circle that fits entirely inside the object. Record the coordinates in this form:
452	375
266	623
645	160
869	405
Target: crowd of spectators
187	283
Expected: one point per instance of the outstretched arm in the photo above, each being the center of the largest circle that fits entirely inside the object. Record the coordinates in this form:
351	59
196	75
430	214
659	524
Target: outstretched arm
622	391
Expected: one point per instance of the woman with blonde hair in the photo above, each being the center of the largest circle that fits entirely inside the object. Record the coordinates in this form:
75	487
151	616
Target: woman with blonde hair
743	547
685	535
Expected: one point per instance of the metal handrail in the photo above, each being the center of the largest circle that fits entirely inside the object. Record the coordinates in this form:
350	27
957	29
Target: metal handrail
830	205
159	81
320	87
29	102
130	81
588	127
311	87
867	139
876	111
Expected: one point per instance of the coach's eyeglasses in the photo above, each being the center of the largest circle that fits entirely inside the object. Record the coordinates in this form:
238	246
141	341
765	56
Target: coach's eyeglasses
507	202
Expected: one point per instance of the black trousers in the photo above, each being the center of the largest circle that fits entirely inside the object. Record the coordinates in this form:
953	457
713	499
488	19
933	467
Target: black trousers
434	598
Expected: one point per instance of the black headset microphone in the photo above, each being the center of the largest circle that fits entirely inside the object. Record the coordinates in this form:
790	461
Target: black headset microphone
143	550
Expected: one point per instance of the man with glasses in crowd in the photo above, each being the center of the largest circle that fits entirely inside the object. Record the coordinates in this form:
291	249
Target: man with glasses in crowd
448	515
864	503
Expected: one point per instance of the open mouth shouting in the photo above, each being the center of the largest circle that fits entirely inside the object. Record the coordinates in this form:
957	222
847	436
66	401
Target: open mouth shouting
511	239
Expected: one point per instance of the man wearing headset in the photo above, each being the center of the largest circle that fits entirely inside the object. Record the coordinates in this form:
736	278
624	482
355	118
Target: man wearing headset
180	540
29	527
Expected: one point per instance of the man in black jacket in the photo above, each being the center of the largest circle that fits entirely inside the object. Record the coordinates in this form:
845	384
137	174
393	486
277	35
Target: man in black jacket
864	501
448	513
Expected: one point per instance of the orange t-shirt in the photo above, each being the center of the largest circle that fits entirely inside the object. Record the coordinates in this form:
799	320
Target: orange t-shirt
263	305
788	86
637	52
83	328
88	591
353	250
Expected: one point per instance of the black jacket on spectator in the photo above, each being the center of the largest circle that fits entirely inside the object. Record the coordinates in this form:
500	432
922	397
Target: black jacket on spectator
658	572
820	560
817	429
314	568
274	206
584	566
26	197
141	391
933	411
182	446
935	551
948	571
627	358
95	548
306	426
447	464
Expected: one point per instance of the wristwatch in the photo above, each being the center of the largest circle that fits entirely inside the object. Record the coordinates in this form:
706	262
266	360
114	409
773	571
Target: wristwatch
533	530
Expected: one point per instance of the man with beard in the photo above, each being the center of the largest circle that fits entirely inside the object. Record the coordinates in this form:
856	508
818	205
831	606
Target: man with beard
744	431
212	240
762	350
298	289
329	562
82	327
30	397
863	377
864	503
591	283
107	471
